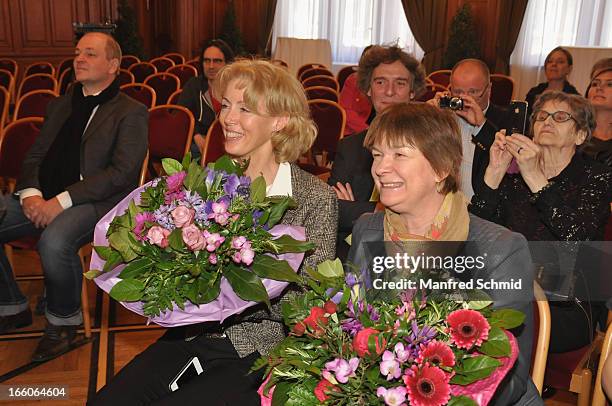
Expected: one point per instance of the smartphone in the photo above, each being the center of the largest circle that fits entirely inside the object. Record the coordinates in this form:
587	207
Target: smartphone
192	369
517	117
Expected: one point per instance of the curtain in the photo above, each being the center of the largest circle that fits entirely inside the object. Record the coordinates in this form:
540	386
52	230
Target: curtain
509	23
268	9
427	21
349	25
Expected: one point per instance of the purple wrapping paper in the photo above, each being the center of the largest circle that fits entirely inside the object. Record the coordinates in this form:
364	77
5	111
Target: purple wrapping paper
226	304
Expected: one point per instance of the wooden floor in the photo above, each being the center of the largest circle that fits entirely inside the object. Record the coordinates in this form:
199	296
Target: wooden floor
78	369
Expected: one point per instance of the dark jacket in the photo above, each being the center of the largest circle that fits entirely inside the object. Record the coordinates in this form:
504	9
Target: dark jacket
192	97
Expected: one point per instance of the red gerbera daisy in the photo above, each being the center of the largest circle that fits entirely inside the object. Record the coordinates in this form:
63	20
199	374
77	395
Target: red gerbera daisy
468	328
437	353
427	386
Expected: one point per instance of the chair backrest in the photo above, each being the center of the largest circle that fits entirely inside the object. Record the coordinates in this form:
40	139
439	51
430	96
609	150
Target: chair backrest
16	139
63	65
173	99
599	399
10	65
142	70
65	80
308	73
541	337
125	77
330	119
164	84
162	63
170	132
321	92
214	146
440	77
502	89
177	58
195	63
322	80
39	67
37	81
345	73
430	92
140	92
184	72
6	79
5	99
128	60
307	66
33	104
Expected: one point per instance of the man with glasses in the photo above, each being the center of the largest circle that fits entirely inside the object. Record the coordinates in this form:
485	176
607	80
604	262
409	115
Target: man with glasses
479	120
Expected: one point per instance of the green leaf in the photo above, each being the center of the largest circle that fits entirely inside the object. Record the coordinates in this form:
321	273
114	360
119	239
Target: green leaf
92	274
208	290
135	268
461	401
497	345
258	190
277	211
103	252
286	243
331	269
127	290
280	396
507	318
175	240
195	179
171	166
477	299
186	160
474	368
246	284
226	164
120	240
271	268
114	260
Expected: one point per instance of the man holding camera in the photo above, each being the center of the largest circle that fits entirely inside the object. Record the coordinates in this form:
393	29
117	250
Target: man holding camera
479	120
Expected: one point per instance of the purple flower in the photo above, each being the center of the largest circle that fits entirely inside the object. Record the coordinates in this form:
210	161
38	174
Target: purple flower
219	212
336	298
342	369
350	279
213	240
351	324
244	189
393	396
231	185
139	228
210	178
389	366
175	181
256	216
172	196
417	337
163	216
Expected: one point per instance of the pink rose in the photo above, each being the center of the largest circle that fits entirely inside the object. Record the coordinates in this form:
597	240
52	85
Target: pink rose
182	216
158	235
192	236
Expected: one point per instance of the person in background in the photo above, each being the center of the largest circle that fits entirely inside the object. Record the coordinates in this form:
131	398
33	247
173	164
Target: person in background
197	95
557	66
356	104
599	94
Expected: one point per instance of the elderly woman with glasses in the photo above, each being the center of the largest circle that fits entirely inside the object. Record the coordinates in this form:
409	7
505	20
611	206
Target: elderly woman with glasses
558	194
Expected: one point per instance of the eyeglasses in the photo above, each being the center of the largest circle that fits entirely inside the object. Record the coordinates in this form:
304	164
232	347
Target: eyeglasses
474	93
558	116
601	83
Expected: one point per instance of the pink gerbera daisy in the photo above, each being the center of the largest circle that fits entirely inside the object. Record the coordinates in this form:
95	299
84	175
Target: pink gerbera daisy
436	353
468	328
427	386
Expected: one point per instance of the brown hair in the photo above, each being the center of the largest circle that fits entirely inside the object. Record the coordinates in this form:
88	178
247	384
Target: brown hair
378	54
581	110
568	56
431	130
280	94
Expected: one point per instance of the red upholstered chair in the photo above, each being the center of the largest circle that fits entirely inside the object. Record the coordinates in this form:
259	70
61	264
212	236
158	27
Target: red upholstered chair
195	63
321	92
214	147
440	77
141	92
64	65
502	89
308	73
128	60
173	99
162	63
177	58
4	105
170	133
39	67
142	70
125	77
10	65
164	85
15	141
37	81
33	104
309	66
322	80
6	80
65	81
184	72
345	73
430	92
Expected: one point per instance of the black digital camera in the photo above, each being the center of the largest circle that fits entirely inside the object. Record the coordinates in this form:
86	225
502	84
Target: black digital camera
451	102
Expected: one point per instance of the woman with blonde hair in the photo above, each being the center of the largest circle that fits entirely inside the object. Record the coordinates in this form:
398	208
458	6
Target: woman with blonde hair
266	123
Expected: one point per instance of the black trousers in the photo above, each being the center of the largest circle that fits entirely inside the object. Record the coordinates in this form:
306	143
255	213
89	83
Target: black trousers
145	380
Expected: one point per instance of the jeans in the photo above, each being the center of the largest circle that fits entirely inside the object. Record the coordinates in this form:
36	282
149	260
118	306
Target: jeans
58	247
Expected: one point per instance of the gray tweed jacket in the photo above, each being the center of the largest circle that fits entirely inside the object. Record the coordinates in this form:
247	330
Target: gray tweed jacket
317	211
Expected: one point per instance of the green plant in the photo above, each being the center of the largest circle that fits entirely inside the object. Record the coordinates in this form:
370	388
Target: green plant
462	42
126	33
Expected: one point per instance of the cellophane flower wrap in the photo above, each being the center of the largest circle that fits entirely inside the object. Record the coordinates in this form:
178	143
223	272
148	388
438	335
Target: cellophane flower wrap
342	350
199	244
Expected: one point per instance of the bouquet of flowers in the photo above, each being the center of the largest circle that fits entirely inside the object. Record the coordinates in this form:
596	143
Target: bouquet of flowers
197	236
343	350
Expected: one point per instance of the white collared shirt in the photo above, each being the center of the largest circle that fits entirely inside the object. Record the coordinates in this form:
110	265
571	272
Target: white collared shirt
282	182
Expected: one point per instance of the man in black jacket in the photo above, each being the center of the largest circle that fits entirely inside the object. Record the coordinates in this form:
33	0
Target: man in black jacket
86	159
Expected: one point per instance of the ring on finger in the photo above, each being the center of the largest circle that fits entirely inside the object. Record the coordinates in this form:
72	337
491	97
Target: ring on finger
518	151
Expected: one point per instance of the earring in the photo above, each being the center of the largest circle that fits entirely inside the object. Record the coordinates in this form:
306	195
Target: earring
439	186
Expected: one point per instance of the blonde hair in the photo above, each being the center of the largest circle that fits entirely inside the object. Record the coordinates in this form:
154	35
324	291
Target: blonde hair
280	94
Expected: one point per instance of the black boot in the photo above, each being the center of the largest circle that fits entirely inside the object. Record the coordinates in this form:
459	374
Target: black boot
15	321
56	341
